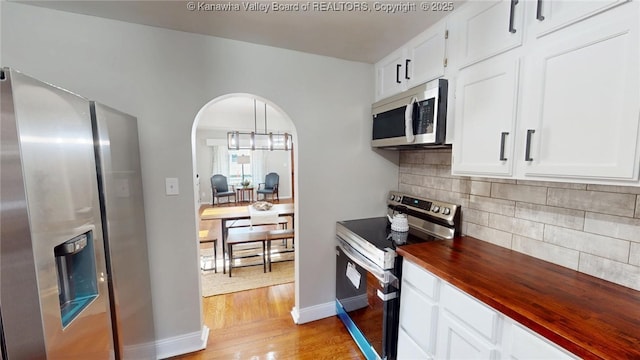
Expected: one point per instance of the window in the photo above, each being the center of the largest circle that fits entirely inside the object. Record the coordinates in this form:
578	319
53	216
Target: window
236	169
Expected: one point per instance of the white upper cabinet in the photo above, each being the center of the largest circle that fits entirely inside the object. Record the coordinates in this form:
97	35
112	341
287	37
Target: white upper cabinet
552	15
422	59
581	102
564	106
426	55
485	122
390	74
488	28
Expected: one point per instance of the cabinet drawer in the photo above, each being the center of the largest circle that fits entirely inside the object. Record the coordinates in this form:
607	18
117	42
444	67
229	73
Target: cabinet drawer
476	315
520	344
421	279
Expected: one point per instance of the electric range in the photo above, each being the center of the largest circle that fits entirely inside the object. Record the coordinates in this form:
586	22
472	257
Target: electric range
368	269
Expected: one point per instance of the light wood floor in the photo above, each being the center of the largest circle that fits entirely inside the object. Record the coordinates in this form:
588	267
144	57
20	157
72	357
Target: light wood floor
257	324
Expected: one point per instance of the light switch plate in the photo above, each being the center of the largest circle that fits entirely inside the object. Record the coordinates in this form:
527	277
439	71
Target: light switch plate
172	187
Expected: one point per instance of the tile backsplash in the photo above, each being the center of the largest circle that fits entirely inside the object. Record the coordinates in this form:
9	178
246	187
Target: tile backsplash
594	229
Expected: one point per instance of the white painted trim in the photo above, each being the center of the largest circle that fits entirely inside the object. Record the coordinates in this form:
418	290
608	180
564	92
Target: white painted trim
313	313
139	351
182	344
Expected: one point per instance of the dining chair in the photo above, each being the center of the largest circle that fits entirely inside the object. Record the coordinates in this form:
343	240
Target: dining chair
269	186
220	188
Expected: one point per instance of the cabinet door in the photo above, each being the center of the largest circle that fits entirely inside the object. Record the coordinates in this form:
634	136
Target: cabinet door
391	74
426	55
418	318
486	112
489	28
583	99
408	349
455	341
522	344
547	16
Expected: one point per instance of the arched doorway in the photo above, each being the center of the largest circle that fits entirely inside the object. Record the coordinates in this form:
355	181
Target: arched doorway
210	154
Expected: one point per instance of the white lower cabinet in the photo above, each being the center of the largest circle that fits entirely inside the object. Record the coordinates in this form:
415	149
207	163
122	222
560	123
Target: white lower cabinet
468	329
418	312
439	321
457	341
418	315
408	349
520	343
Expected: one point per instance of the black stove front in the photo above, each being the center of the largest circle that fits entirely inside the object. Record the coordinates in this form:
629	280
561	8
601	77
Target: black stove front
368	270
367	297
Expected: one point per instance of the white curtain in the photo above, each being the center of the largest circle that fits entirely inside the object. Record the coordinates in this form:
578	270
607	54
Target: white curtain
219	160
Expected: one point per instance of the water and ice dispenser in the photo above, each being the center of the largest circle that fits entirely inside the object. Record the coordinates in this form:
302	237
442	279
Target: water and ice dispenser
77	280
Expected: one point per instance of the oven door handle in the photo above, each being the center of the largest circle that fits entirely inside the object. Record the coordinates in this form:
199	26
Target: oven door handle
385	277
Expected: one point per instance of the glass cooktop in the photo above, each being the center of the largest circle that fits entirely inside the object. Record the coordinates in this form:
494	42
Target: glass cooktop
377	231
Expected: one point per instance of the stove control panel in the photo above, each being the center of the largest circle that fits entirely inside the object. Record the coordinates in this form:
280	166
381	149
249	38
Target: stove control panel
433	208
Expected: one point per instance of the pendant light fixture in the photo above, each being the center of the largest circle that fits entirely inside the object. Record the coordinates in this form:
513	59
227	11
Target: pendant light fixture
254	140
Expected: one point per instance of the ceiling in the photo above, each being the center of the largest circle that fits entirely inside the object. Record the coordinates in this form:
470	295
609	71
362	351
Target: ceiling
341	32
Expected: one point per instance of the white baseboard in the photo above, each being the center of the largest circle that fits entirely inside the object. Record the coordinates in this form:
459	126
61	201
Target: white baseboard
182	344
139	351
313	313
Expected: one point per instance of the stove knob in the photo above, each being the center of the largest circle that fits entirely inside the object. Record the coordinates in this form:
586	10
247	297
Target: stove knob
446	211
398	198
435	209
392	197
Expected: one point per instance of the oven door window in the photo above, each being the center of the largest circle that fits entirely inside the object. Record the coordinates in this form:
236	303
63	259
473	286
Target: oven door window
357	292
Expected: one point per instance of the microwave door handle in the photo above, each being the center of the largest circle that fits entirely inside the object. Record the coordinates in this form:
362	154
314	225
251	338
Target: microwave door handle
408	120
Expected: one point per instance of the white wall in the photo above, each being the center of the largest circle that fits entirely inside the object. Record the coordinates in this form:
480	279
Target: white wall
164	77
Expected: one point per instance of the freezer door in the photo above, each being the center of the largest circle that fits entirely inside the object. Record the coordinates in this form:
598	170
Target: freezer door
49	197
124	227
3	350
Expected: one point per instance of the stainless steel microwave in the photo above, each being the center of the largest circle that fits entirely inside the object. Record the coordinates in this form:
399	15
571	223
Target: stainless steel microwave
414	118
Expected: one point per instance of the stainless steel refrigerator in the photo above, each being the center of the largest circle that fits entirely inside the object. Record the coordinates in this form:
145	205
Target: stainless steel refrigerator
74	272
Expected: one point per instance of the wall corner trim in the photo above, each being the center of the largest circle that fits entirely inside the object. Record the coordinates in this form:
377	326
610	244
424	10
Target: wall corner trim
182	344
313	313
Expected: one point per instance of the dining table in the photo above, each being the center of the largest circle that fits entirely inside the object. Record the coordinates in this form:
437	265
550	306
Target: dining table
228	215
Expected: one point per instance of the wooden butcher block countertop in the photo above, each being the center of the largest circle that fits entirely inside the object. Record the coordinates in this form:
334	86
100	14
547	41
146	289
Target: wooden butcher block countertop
589	317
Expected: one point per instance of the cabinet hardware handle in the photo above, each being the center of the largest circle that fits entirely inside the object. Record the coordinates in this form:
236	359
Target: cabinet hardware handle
511	14
527	155
503	138
398	73
406	69
539	15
